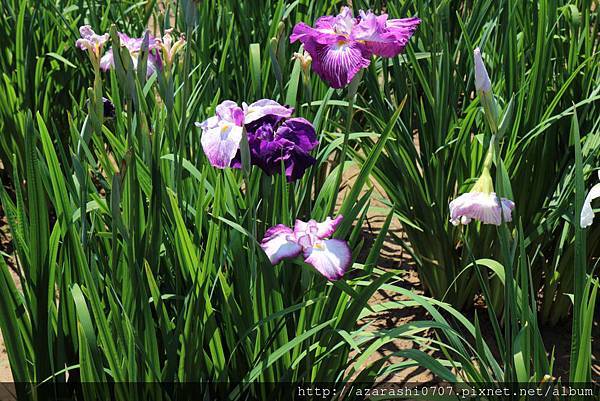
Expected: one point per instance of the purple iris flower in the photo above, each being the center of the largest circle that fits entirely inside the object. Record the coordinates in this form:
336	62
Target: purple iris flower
134	46
273	137
276	140
331	257
342	45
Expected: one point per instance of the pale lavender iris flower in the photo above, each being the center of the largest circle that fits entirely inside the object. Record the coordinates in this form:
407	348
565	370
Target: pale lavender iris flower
330	257
91	41
342	45
480	206
134	46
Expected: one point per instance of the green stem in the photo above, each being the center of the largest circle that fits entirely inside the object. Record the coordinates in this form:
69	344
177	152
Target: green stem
352	89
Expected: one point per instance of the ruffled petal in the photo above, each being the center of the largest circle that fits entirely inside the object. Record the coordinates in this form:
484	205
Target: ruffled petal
383	37
587	213
265	107
296	164
338	63
278	243
331	258
321	230
221	143
228	110
482	207
299	131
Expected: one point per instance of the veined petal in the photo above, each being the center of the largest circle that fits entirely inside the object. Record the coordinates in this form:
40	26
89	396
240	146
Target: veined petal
319	230
221	143
279	244
383	37
587	213
209	123
265	107
482	207
331	258
338	63
228	110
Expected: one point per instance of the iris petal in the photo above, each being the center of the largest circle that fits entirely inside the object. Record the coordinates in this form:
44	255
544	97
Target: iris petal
279	244
339	62
331	258
482	207
319	230
587	213
383	37
265	107
221	143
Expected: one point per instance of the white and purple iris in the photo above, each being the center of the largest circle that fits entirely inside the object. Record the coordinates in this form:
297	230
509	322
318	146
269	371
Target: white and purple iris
134	46
331	257
342	45
275	139
480	206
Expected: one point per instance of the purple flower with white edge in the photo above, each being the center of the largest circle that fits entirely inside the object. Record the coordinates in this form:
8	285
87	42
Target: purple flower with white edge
587	213
331	257
481	204
222	133
91	41
342	45
134	46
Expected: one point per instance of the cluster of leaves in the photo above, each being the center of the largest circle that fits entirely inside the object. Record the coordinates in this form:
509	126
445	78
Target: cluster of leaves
138	261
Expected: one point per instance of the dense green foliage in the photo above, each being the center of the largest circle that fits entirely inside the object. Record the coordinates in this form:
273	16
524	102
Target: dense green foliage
138	261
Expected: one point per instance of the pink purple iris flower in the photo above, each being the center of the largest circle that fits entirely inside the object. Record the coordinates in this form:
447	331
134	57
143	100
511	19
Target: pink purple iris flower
274	138
134	46
342	45
331	257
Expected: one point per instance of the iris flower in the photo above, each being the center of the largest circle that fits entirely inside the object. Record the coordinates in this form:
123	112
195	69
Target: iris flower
273	137
134	46
481	204
587	213
91	42
276	140
342	45
331	257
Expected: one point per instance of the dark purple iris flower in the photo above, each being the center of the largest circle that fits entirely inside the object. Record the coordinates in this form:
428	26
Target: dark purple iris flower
276	141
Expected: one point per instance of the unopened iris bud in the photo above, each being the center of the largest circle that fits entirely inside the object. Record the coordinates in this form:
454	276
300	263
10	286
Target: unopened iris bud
483	86
305	60
482	79
169	47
